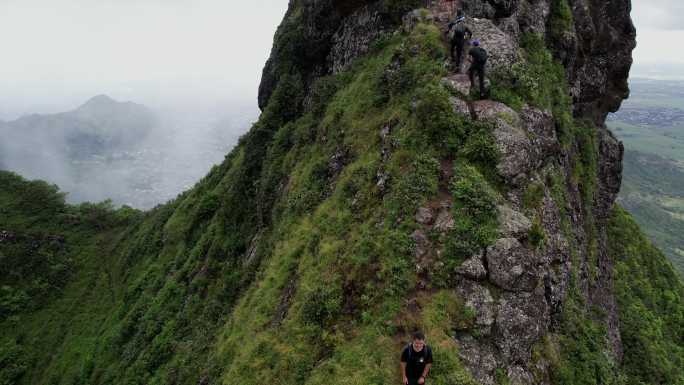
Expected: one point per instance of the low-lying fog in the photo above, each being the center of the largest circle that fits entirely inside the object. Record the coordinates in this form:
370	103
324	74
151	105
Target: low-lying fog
125	152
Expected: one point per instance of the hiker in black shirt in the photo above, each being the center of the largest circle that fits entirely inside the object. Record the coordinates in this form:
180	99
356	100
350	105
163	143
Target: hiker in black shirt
479	56
458	31
416	360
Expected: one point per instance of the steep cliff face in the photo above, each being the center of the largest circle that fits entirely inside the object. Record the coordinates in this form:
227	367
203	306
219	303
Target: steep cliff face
377	195
571	166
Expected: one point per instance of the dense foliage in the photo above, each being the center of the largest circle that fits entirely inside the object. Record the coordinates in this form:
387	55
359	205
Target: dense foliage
292	261
651	299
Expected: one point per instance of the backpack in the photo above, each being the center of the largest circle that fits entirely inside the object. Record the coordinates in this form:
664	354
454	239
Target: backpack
458	31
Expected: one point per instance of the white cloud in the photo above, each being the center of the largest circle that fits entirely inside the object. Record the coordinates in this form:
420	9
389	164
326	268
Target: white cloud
58	53
63	48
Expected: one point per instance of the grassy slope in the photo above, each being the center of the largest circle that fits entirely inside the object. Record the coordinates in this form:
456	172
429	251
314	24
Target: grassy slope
179	296
158	305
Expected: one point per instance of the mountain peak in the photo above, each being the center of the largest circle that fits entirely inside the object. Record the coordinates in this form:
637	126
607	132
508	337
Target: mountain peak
99	100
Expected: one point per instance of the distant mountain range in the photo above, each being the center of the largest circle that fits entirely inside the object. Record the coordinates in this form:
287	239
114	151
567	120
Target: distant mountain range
121	151
98	127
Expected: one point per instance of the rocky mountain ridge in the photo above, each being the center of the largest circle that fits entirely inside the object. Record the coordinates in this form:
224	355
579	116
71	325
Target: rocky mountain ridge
376	195
535	279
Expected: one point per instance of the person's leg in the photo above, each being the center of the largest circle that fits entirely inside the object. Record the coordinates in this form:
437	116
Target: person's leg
471	75
453	48
459	55
481	74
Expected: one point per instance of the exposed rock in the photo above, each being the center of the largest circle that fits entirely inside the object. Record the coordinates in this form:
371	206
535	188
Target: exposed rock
251	254
541	131
445	221
501	47
459	106
478	297
611	152
337	162
422	243
382	179
489	109
285	300
513	223
517	375
514	145
473	268
459	83
424	216
479	358
355	36
522	319
411	19
512	266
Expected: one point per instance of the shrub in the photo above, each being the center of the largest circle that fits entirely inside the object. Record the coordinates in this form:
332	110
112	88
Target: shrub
322	306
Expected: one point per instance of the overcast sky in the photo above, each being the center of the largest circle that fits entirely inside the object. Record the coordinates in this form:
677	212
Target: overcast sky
57	53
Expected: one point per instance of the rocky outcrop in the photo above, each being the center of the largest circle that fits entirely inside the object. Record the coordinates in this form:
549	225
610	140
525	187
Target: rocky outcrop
596	50
517	286
355	35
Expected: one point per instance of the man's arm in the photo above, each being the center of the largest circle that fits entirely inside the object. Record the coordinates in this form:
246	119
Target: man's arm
426	370
403	373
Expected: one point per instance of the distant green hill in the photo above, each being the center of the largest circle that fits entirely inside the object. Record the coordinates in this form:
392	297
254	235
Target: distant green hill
651	124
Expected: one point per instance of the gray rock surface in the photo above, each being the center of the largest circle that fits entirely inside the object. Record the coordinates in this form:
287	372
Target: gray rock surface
512	266
513	223
460	106
478	298
444	221
521	320
480	358
473	268
424	216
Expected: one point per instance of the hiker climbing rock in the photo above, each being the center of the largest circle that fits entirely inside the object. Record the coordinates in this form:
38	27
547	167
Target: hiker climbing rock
416	361
477	67
457	35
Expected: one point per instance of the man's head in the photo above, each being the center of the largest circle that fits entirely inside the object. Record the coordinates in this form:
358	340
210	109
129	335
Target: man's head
418	341
459	13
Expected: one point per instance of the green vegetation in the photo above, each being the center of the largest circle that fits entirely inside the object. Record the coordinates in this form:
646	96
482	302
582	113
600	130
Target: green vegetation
584	358
651	302
560	20
274	267
291	262
652	188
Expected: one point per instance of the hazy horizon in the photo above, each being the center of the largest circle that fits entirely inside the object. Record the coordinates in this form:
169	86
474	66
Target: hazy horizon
182	54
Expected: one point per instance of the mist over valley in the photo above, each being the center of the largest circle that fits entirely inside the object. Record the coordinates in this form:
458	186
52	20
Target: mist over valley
123	151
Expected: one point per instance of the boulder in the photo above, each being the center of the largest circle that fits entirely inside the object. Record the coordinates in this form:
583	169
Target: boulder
521	320
513	223
479	358
421	242
444	221
459	83
473	268
478	298
459	106
512	266
424	216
